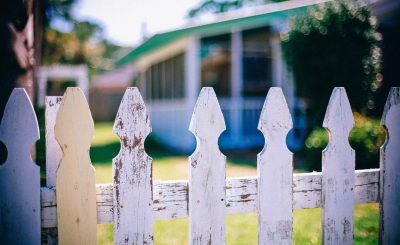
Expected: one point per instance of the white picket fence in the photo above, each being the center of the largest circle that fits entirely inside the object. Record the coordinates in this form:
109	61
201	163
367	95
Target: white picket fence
72	204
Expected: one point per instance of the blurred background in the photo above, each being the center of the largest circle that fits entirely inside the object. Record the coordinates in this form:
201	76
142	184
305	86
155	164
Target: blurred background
241	48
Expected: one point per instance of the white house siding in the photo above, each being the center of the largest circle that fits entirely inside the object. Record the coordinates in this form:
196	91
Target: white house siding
171	116
170	121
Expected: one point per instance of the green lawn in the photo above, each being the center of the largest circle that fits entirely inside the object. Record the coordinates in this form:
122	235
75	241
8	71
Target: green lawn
241	229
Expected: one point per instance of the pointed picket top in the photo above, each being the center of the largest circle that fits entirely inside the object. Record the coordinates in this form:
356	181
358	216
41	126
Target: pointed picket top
275	200
275	115
207	119
339	117
20	211
132	192
338	166
393	100
75	184
53	149
207	173
20	122
131	112
74	110
390	171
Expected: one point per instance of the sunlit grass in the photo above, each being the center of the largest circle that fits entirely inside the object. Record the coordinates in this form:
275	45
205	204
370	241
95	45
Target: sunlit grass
241	229
173	168
103	134
105	146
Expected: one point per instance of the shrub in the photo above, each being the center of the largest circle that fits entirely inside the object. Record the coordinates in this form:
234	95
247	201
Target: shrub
366	138
334	44
40	145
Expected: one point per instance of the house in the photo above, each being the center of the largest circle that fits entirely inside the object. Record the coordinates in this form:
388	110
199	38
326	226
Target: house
238	54
105	96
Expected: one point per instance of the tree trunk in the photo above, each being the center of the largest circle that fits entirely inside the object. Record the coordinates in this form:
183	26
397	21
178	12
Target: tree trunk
17	56
16	48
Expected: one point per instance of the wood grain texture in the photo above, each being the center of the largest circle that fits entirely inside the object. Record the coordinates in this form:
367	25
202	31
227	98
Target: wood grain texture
275	172
19	175
389	231
76	188
338	165
133	202
207	173
170	199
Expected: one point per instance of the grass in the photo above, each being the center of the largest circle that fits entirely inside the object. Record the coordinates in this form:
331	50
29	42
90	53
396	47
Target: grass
241	229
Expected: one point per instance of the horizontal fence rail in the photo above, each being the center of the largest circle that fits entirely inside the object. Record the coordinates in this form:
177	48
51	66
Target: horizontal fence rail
71	205
170	198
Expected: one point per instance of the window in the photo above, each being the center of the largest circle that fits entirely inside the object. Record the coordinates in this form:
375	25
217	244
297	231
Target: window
257	62
165	80
178	76
216	63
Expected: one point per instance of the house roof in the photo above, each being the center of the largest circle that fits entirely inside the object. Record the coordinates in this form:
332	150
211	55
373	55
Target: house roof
247	18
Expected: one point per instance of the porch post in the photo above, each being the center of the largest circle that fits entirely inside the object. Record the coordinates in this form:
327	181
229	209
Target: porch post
276	61
280	75
236	85
192	72
82	76
142	84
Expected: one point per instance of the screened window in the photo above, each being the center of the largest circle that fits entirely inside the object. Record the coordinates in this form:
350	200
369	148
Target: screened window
165	80
257	62
216	63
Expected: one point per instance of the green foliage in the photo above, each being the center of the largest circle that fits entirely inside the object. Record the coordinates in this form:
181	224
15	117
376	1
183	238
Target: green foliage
214	7
84	44
57	9
366	138
221	6
335	44
40	146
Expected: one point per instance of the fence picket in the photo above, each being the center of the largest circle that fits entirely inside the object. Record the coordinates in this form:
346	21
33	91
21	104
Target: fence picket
207	173
132	192
53	150
275	172
390	172
53	153
338	166
76	190
20	212
71	201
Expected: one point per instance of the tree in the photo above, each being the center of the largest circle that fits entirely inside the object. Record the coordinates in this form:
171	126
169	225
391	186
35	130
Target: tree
214	6
221	6
335	44
84	44
21	26
71	47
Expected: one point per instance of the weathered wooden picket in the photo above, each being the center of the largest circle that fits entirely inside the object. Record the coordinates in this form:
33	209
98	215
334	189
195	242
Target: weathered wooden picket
72	204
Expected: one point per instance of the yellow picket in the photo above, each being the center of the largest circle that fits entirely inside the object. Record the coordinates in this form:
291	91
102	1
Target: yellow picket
76	187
